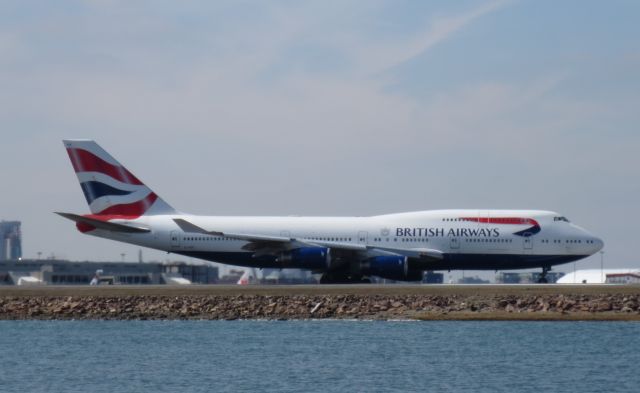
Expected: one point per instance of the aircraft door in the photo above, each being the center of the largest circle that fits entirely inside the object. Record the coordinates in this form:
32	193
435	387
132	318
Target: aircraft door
527	241
175	238
455	243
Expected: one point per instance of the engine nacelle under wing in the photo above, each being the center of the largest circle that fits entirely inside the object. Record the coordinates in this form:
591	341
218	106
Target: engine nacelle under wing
313	258
391	267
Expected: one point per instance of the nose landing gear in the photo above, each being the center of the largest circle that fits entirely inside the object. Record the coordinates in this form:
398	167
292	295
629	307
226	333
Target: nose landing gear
543	275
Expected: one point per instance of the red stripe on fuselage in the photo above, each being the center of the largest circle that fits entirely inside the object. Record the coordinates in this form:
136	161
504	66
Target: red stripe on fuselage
502	220
85	161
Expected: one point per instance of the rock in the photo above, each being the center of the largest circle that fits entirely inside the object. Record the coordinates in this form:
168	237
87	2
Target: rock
301	306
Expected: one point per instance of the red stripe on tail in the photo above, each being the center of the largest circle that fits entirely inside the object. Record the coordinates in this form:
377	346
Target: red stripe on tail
129	211
84	161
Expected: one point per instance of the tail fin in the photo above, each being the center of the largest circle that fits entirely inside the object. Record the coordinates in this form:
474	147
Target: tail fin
110	189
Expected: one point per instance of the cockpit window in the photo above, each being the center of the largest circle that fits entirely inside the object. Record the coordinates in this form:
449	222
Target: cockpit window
560	219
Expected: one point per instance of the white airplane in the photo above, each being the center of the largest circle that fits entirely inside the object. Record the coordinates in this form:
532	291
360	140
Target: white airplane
344	249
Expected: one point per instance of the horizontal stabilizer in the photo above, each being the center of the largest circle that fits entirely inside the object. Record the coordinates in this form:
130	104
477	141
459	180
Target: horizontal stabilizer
106	225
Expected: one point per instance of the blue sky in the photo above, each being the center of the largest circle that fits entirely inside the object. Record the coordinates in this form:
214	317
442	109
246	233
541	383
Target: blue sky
325	108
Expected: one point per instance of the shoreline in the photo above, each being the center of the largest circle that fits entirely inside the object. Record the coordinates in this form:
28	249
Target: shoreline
367	302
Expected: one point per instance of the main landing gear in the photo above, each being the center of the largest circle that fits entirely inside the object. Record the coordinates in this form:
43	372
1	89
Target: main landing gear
543	275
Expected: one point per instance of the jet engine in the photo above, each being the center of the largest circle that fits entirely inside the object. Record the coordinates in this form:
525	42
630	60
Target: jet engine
314	258
391	267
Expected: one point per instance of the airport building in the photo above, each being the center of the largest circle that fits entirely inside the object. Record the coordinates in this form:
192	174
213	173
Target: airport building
526	277
475	280
602	276
623	278
61	272
10	241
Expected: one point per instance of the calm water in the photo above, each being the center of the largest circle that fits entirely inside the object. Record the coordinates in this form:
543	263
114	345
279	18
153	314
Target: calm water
324	356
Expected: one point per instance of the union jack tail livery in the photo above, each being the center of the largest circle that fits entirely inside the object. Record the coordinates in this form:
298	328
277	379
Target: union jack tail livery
112	192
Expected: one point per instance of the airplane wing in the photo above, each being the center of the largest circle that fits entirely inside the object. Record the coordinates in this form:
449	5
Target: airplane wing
259	242
106	225
422	253
192	228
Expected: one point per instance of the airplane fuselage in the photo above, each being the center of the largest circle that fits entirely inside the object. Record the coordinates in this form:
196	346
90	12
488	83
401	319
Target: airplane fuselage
468	239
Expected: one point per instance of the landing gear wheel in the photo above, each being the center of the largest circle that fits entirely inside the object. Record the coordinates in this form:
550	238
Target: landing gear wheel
543	276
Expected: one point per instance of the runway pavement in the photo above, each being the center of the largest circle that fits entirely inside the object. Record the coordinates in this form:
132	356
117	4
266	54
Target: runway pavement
350	289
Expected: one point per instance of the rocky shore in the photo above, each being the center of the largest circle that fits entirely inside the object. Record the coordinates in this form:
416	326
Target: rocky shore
428	306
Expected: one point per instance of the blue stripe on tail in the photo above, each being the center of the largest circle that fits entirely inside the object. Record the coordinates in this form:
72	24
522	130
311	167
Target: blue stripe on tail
93	190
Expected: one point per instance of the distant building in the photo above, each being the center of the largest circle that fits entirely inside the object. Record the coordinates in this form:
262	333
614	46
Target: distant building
623	278
269	276
433	278
473	280
58	272
10	241
526	277
602	276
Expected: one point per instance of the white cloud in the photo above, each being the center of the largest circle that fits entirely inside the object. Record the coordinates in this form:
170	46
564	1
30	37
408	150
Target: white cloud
378	57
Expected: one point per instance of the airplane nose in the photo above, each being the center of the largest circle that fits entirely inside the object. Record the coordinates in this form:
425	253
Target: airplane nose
598	244
595	243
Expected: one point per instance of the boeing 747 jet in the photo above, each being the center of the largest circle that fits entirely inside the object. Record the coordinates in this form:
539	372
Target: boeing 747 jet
398	246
